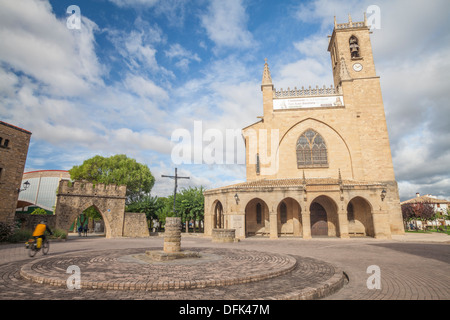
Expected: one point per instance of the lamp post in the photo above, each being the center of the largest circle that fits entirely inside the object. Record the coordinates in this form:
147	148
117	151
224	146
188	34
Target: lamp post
383	195
26	184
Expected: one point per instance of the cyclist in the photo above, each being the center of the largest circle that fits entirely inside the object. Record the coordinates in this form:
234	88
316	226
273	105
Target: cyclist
39	231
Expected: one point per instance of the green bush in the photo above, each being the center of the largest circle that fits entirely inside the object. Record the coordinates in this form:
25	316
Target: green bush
39	212
20	235
6	230
58	234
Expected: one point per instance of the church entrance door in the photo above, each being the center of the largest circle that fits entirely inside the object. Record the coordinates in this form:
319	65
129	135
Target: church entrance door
319	222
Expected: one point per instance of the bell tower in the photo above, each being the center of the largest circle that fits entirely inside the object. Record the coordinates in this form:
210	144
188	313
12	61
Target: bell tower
351	51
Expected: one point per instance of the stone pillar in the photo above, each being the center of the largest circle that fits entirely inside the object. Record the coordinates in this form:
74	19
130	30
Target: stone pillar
306	224
273	225
343	225
172	235
381	225
296	220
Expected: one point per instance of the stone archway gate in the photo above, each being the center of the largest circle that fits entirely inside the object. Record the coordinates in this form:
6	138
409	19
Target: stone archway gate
109	200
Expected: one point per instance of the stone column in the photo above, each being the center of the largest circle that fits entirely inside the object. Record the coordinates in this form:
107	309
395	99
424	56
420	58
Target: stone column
343	225
306	224
296	219
172	235
273	225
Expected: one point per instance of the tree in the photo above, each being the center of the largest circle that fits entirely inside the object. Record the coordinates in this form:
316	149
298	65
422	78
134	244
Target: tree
118	169
39	212
190	205
417	211
148	205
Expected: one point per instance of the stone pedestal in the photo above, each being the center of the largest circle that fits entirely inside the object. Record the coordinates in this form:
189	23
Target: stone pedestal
172	235
223	235
172	243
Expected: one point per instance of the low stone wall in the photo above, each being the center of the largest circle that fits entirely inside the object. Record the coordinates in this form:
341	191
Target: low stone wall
29	222
135	225
223	235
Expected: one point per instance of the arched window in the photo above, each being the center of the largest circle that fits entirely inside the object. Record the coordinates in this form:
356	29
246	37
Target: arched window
258	213
350	212
311	150
354	47
283	213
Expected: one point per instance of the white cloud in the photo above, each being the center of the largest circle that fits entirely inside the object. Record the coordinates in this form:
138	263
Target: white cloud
135	3
145	87
184	57
225	23
35	42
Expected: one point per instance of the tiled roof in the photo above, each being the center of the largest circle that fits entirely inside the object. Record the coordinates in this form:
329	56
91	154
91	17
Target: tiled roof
294	182
425	199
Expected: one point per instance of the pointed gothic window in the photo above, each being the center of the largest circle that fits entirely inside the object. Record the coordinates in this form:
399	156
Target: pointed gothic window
354	47
311	150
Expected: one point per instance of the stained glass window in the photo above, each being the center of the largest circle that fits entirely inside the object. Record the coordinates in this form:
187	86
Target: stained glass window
311	150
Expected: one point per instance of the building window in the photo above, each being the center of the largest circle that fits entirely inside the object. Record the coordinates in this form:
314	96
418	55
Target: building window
258	213
4	144
283	213
311	150
257	164
354	47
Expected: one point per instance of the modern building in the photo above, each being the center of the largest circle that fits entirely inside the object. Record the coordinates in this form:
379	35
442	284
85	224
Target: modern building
318	161
14	143
41	191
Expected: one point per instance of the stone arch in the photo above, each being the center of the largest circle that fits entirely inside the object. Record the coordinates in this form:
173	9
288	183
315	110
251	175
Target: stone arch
256	217
86	206
218	215
354	47
360	219
109	200
292	224
324	216
339	139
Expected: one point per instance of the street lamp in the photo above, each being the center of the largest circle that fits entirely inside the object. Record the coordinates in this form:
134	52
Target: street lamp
236	197
383	195
26	184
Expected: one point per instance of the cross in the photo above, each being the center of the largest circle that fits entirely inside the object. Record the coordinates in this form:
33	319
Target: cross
176	177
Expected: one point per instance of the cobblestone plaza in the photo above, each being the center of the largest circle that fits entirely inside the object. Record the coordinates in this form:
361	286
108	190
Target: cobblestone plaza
281	269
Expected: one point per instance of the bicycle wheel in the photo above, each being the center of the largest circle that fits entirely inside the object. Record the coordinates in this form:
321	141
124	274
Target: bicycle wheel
45	247
32	251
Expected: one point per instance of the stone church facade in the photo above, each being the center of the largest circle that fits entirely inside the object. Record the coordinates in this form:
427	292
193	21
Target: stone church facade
319	161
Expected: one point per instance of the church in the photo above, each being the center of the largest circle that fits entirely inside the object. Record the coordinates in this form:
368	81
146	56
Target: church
318	162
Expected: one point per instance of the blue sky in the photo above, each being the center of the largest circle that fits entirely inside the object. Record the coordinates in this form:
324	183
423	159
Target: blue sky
137	70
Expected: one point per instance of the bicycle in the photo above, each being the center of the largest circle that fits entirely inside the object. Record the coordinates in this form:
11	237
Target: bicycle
32	245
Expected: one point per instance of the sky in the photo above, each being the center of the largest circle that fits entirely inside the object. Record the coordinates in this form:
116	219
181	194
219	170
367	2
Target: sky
124	77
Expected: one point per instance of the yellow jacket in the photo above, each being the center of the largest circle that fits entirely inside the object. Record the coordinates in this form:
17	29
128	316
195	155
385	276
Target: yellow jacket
40	229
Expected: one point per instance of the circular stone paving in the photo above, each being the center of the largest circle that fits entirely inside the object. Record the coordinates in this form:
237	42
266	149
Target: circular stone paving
132	269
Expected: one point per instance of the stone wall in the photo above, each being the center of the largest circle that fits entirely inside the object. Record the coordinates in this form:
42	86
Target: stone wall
14	144
135	225
29	222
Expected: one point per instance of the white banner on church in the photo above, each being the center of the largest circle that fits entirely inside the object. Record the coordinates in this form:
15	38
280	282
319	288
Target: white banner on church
311	102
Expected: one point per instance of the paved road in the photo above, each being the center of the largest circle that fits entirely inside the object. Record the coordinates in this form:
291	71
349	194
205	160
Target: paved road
411	267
